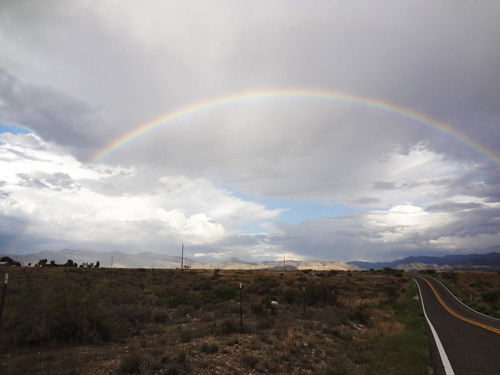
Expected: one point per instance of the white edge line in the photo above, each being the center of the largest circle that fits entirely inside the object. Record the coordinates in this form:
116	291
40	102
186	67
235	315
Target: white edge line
470	308
444	358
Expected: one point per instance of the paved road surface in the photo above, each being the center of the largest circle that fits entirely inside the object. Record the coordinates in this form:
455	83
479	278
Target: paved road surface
470	340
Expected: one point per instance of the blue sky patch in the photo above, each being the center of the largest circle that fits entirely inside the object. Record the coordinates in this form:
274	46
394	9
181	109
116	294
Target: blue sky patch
13	129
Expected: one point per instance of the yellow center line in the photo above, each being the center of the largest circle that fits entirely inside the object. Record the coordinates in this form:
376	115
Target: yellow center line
455	314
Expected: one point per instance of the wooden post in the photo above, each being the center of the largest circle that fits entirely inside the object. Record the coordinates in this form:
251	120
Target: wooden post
3	298
304	295
284	266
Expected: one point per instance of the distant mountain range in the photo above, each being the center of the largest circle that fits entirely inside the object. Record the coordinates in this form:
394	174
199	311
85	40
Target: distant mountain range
487	262
480	262
154	260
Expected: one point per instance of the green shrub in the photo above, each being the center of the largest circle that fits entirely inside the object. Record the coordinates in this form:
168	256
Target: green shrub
491	296
249	360
209	348
229	325
174	297
293	296
220	293
186	336
346	336
61	312
131	363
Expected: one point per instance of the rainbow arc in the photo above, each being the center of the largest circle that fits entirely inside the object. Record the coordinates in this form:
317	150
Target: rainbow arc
375	104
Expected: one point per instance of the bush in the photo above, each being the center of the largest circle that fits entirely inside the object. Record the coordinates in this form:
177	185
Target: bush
320	294
257	308
174	297
346	336
63	312
229	325
249	360
131	363
491	296
186	336
362	315
220	294
292	296
209	348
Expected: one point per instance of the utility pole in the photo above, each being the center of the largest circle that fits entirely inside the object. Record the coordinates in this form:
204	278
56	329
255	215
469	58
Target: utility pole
284	266
111	261
182	259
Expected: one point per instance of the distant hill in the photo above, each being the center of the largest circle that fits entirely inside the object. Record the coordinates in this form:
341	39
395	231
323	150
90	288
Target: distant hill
468	261
155	260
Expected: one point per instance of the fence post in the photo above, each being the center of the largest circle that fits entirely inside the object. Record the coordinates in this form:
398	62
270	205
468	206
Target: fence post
241	308
3	298
304	293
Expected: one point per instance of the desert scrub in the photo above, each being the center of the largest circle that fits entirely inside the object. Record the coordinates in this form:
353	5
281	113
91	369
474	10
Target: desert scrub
248	359
209	347
488	304
400	348
55	311
131	363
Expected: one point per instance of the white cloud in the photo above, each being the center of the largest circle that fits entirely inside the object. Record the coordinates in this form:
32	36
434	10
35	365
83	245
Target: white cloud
55	192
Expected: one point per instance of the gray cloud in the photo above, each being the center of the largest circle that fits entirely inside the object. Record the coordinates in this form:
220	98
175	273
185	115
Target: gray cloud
365	200
52	115
45	180
452	206
383	185
82	74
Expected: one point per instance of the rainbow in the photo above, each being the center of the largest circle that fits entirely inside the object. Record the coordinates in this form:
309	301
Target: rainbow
12	246
388	107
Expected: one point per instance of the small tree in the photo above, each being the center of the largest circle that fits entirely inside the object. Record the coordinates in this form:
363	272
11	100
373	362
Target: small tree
42	262
97	264
216	274
7	259
70	263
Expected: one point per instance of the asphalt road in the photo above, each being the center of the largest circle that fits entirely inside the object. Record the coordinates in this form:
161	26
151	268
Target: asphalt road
471	341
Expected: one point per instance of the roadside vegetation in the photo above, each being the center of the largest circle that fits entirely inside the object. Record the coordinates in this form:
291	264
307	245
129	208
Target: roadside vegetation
154	321
478	290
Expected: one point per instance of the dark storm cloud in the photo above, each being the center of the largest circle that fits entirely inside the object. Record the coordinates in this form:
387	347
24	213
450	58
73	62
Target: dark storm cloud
451	206
480	182
80	74
50	114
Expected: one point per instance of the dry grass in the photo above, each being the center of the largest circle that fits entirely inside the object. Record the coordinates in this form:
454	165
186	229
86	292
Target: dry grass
188	323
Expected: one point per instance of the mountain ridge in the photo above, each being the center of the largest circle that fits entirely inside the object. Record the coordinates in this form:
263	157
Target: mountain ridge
448	262
149	259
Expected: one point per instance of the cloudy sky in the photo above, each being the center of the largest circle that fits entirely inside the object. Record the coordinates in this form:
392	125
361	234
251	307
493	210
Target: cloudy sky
313	177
